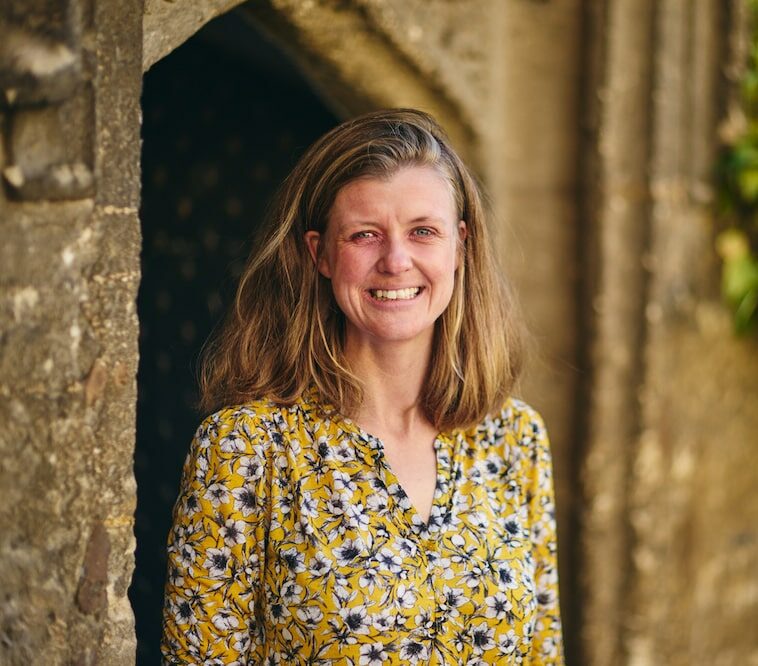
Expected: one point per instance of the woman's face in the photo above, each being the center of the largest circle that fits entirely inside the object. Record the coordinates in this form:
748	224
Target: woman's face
391	249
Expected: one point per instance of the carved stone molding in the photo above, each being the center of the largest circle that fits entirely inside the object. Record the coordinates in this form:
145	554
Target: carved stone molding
46	99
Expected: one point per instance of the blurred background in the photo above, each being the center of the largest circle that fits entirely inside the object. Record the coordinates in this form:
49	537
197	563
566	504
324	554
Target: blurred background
618	143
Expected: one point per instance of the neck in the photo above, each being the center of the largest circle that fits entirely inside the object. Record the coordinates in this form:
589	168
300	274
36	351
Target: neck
393	377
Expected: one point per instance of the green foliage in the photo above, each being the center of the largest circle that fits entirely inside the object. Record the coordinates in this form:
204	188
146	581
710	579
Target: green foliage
738	196
739	282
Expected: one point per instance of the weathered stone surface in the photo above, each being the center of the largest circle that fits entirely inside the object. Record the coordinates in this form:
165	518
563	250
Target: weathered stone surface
40	52
446	42
67	366
45	71
693	505
169	23
693	518
91	593
618	201
352	61
670	525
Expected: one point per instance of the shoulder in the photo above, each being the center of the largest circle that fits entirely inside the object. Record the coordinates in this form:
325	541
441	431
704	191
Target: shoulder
525	421
515	420
238	428
514	434
528	443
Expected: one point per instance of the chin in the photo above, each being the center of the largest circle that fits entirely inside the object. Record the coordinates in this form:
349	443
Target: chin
401	335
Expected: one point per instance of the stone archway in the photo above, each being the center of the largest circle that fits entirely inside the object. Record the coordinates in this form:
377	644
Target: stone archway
348	85
224	118
366	54
345	50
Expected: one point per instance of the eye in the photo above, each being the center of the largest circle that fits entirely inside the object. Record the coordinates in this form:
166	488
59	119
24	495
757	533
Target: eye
423	231
362	235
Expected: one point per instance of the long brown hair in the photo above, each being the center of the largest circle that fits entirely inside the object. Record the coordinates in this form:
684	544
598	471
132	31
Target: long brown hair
285	332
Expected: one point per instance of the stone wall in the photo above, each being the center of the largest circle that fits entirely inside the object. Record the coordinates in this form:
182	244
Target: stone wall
670	425
592	123
70	73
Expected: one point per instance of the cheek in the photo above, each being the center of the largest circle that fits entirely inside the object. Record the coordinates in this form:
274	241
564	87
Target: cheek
452	260
324	267
350	267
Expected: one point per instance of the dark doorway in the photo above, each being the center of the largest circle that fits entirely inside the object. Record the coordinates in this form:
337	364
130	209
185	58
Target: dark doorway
225	117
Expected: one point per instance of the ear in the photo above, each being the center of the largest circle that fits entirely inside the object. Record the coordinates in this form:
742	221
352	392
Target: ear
462	233
313	240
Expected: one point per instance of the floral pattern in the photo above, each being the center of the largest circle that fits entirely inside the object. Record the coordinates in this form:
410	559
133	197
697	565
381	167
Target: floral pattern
293	543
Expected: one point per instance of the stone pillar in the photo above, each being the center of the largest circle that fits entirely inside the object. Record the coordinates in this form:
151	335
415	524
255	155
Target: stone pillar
616	210
670	537
70	76
532	158
693	505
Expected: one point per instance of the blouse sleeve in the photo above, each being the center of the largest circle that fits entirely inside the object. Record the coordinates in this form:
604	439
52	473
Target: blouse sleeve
547	642
216	545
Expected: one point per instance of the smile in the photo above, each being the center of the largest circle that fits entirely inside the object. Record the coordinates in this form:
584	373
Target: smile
395	294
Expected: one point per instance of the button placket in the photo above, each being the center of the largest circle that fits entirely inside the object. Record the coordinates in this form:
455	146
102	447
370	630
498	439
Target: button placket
447	448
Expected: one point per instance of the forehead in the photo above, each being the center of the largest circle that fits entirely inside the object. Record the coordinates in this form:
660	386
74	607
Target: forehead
417	191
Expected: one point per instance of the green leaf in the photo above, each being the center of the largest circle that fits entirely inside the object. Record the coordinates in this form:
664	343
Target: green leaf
739	278
748	183
745	313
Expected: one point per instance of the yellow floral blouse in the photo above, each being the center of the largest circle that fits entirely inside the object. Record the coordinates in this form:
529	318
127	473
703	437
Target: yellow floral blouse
293	543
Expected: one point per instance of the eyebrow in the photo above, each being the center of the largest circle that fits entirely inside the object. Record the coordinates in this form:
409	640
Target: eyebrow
371	223
426	218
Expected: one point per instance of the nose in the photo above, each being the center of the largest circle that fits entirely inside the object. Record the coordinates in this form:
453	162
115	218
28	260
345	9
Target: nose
395	257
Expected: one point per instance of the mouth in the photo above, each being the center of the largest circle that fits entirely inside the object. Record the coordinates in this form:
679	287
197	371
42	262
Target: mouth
395	294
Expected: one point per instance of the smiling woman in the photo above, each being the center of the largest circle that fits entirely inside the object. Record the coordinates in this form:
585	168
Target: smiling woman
391	250
366	491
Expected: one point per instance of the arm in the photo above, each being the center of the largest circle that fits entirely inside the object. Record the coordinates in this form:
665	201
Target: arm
215	547
547	642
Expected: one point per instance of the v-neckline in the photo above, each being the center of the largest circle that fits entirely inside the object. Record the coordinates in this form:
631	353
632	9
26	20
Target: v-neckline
444	445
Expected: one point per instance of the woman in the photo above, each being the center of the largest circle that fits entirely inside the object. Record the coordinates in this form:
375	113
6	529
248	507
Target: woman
366	491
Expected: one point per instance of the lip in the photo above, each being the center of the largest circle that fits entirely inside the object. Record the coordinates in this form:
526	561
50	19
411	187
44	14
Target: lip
370	293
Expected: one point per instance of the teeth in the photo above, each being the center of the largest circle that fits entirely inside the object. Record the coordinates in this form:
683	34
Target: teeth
395	294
